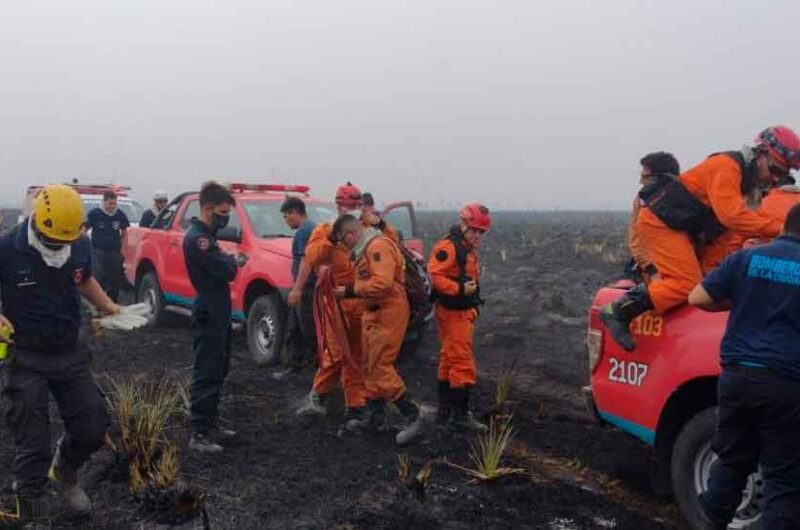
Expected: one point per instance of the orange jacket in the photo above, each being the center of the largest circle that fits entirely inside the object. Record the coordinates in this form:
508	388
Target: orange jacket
635	244
443	267
320	252
717	183
380	273
779	201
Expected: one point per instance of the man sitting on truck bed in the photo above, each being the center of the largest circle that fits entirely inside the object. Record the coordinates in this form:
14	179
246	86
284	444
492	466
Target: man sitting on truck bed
703	208
759	386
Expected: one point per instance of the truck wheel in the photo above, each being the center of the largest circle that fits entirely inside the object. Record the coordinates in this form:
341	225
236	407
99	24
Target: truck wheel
149	291
265	327
690	468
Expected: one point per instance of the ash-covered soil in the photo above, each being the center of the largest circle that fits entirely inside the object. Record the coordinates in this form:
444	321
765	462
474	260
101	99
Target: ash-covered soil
540	273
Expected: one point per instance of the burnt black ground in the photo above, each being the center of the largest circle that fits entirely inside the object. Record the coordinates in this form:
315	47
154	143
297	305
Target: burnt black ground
541	270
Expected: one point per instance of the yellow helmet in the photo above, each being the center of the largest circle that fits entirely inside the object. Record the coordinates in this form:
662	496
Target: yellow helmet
58	211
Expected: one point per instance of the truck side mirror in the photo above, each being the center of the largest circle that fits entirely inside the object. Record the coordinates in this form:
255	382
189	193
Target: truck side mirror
230	233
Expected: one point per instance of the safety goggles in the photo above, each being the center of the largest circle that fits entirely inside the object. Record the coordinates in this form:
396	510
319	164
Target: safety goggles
51	244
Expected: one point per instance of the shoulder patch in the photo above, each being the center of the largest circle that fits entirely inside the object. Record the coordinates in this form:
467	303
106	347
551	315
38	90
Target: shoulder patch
376	256
442	255
203	243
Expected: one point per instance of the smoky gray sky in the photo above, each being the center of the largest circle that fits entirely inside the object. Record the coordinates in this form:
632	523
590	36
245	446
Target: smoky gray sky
520	104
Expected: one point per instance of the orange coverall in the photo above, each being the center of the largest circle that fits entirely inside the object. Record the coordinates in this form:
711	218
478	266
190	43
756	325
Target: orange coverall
779	201
716	182
379	280
456	326
320	251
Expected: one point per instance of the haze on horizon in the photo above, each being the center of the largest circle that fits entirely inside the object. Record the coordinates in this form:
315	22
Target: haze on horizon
518	104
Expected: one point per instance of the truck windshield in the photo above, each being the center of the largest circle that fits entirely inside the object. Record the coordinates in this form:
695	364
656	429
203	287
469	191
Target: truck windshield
267	220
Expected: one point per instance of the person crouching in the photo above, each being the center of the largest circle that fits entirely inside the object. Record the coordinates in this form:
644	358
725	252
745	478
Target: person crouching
379	281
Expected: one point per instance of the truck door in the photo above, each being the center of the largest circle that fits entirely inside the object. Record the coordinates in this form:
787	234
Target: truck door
401	215
175	279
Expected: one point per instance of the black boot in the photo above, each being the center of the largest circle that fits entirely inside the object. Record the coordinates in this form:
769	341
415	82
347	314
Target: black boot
617	316
462	419
443	412
412	422
356	418
376	415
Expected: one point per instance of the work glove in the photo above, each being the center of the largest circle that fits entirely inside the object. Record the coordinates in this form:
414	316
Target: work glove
129	317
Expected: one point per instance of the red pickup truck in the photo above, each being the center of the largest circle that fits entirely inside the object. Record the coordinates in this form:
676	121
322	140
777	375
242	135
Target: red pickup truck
155	266
665	393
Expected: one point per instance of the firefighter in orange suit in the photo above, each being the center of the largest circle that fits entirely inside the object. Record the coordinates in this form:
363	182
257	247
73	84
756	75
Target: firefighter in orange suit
324	250
379	282
453	267
713	194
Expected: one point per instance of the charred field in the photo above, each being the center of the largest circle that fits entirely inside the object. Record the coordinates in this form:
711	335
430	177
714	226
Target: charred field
540	273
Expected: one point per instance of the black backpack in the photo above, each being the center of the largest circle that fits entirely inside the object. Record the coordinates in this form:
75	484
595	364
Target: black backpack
418	283
459	302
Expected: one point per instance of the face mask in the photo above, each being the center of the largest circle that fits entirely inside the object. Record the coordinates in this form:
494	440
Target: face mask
53	255
219	221
111	212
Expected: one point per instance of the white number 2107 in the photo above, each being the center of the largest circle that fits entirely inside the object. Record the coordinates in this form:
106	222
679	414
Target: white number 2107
626	372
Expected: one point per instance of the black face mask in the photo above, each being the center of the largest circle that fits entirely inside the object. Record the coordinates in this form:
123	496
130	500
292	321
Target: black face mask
219	221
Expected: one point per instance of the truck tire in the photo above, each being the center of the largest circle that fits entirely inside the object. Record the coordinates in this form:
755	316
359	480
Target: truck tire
691	461
148	291
265	329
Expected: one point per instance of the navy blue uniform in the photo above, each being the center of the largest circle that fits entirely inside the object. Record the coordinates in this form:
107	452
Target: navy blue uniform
210	271
107	245
43	304
759	387
147	219
301	331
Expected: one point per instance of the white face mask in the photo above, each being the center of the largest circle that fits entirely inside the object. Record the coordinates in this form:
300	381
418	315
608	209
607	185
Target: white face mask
110	213
53	258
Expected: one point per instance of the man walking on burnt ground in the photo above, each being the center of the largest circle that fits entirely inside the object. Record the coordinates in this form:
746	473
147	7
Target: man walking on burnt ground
301	331
109	226
455	274
379	282
210	271
759	385
340	354
46	267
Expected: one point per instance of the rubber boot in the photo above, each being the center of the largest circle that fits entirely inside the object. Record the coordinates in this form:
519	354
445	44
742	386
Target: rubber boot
33	508
617	316
376	415
412	422
356	419
443	412
462	419
66	478
314	404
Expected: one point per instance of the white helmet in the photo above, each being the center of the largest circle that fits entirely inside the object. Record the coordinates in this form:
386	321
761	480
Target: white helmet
160	195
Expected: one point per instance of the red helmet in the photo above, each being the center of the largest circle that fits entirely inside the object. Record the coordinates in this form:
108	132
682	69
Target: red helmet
475	215
349	196
782	144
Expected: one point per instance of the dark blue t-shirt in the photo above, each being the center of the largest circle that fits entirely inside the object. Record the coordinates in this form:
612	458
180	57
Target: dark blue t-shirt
763	286
301	237
42	302
106	229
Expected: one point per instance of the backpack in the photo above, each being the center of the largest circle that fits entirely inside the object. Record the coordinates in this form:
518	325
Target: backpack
680	210
418	283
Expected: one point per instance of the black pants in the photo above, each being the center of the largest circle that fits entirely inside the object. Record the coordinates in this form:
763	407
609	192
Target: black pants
301	331
759	422
211	343
28	380
108	271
